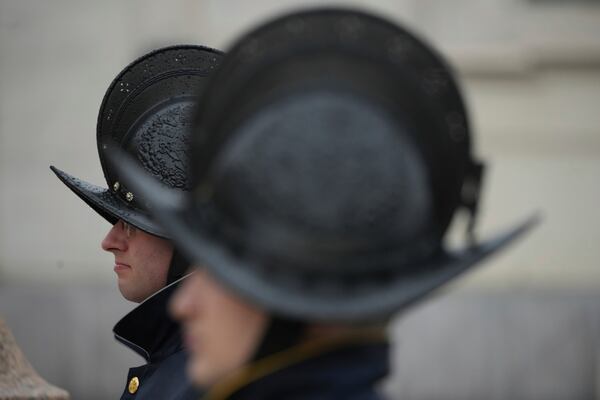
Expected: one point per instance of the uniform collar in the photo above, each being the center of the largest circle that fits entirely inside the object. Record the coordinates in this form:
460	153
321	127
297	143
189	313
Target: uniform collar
148	329
359	360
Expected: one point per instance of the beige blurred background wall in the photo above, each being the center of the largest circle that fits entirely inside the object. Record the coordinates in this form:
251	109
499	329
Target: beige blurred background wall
531	75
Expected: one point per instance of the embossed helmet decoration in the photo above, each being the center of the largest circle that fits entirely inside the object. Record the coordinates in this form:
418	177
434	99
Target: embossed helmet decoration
147	112
326	169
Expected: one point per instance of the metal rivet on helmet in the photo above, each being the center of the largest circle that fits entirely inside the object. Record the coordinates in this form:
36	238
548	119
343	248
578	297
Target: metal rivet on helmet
129	196
116	186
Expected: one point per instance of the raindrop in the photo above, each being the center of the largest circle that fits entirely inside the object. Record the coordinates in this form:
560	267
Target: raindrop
125	87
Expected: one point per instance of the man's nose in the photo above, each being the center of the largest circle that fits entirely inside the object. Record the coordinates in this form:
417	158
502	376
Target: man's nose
115	239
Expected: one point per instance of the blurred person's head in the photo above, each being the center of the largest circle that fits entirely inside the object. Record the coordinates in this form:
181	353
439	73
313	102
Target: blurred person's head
326	170
220	330
146	112
223	331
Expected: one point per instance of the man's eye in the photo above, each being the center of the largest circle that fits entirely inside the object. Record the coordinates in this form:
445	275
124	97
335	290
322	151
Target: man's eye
129	229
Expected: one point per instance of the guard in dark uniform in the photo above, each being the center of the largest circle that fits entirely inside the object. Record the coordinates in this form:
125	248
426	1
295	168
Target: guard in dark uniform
326	170
146	112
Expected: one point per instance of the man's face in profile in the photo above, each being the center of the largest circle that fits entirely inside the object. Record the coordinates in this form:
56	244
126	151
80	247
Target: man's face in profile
141	260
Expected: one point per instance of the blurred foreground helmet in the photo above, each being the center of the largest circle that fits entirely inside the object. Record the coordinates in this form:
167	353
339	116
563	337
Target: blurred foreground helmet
147	112
326	169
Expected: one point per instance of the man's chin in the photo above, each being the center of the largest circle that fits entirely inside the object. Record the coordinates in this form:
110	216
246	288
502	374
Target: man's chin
127	293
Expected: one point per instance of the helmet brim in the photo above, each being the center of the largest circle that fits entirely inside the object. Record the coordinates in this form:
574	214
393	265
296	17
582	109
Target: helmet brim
109	206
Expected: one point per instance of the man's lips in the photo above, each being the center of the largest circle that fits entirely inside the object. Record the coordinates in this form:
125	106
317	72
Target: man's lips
119	266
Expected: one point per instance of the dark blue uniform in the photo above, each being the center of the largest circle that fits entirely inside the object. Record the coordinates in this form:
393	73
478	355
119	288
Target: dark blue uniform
149	331
347	371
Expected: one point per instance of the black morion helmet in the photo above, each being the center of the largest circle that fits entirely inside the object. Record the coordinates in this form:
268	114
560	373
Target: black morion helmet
147	112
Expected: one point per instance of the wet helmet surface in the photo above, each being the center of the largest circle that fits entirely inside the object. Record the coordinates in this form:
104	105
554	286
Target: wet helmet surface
147	112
